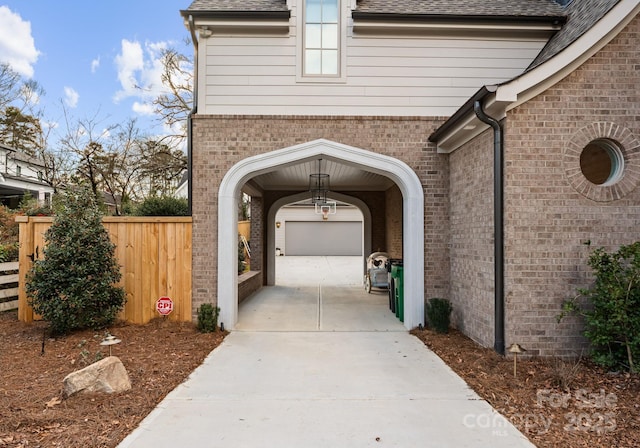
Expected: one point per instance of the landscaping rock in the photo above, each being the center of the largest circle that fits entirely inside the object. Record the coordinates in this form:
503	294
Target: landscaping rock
107	375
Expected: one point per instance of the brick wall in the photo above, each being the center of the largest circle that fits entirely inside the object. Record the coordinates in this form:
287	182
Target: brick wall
221	141
258	247
471	220
551	209
393	222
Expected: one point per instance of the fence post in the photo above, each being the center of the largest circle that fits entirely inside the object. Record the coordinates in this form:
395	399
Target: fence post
26	250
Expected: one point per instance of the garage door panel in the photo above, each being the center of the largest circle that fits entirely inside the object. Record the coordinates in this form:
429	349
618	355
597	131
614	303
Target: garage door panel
323	238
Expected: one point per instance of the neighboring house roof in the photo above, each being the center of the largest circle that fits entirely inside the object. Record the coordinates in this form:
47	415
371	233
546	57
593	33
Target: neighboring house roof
28	180
582	15
22	157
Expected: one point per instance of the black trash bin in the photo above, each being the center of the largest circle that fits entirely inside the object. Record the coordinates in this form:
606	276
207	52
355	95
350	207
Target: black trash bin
392	282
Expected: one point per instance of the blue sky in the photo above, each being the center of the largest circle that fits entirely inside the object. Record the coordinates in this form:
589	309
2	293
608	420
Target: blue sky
90	54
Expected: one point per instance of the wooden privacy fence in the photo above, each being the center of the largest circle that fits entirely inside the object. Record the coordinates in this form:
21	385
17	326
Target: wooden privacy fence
154	254
8	286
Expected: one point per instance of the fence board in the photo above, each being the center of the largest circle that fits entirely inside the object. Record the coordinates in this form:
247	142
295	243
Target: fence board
6	306
7	279
10	278
155	258
9	266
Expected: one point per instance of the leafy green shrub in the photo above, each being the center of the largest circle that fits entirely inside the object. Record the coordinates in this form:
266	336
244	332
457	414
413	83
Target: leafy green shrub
30	206
163	206
73	286
8	252
439	314
208	318
613	317
9	235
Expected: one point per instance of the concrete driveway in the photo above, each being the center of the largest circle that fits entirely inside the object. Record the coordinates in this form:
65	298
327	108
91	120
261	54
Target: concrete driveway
322	365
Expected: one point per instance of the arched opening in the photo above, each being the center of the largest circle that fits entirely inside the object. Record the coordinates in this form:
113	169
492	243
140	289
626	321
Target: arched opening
394	169
271	238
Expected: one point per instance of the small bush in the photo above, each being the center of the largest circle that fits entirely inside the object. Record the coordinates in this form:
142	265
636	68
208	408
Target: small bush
564	373
163	206
439	314
8	252
73	286
613	315
32	207
208	318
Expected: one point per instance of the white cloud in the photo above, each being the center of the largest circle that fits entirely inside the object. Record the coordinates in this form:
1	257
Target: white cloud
139	71
143	108
71	97
95	64
17	47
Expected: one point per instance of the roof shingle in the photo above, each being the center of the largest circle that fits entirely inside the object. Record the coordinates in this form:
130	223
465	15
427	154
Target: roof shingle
582	15
238	5
463	7
418	7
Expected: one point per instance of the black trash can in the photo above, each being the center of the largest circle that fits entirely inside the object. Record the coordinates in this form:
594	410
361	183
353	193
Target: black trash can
392	282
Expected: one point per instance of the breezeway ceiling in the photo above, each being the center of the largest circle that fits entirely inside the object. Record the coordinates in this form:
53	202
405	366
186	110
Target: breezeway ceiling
343	177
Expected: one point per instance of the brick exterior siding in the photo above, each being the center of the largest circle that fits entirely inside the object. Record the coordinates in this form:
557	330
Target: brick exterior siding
549	216
221	141
550	208
550	212
471	209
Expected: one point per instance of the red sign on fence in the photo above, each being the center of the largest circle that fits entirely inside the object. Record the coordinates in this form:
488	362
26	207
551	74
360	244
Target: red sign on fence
164	306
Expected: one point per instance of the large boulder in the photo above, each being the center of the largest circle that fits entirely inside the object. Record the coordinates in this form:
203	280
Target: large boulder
107	375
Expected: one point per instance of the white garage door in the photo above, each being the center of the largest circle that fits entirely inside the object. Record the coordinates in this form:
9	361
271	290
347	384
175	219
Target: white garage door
323	238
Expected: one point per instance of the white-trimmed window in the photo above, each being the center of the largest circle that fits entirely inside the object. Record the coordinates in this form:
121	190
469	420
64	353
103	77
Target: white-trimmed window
602	162
321	38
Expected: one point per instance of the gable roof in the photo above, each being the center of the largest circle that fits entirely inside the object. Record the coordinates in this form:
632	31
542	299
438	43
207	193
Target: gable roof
582	15
18	155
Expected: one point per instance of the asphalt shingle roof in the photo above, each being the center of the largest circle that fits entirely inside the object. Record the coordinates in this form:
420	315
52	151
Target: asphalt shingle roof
463	7
582	15
238	5
420	7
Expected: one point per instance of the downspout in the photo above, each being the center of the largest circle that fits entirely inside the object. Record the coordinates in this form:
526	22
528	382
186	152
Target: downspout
193	111
498	216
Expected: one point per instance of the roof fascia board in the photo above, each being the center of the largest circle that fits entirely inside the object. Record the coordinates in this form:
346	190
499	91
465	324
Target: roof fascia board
215	22
457	18
459	128
244	15
468	126
440	24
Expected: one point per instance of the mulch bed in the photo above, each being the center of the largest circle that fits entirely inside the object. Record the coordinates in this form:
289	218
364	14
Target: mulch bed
554	403
158	356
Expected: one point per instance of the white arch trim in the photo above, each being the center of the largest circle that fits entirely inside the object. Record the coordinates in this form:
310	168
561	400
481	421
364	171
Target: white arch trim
271	236
396	170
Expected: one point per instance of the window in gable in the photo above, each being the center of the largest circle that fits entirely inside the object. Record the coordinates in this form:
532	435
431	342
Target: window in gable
321	38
